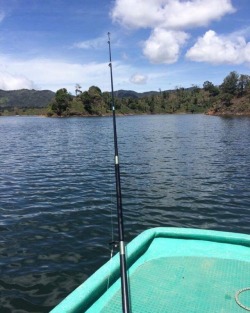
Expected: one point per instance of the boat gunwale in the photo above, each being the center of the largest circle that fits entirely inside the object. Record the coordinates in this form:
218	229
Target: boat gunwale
96	285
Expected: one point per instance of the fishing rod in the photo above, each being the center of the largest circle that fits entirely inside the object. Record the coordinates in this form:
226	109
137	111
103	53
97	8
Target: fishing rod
123	266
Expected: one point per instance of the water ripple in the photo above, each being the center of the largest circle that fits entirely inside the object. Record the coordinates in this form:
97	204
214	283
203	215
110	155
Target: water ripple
58	200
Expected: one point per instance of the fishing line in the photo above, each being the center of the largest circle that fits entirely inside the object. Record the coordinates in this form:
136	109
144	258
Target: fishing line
111	173
111	246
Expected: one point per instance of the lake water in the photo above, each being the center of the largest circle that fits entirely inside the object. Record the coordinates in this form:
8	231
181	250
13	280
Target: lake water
57	199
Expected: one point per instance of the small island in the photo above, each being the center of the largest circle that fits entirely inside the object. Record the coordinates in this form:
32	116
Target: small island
232	97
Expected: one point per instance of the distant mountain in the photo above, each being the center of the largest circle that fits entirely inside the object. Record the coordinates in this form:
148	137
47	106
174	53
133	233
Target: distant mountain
25	98
133	94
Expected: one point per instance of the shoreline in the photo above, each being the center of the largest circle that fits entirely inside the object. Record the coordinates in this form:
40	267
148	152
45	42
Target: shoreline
227	113
210	113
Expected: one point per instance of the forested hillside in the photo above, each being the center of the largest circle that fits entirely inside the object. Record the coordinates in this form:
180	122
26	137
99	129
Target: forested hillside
19	101
231	97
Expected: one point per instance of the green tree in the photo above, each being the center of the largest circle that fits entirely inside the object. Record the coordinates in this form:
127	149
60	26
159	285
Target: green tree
61	102
230	84
93	101
95	92
85	97
243	84
213	90
195	89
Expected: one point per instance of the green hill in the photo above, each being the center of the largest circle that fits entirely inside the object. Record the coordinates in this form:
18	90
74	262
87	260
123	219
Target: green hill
24	99
133	94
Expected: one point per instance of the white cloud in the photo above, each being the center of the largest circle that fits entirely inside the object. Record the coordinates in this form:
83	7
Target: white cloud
96	43
243	32
2	16
49	73
10	81
55	74
216	49
168	20
164	46
171	14
138	79
136	14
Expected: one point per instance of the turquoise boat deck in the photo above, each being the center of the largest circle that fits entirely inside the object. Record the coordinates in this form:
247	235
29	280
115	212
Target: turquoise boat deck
174	271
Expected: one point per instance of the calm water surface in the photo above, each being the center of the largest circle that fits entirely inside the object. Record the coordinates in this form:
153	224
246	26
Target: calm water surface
57	197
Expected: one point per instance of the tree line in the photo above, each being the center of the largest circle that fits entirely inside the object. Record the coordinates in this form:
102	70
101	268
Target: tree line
181	100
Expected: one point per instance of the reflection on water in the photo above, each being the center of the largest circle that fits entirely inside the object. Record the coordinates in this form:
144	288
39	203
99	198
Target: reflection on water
57	192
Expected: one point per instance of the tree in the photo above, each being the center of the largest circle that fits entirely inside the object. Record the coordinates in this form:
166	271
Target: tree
243	84
85	97
93	101
78	89
61	102
95	92
213	90
165	95
195	89
230	84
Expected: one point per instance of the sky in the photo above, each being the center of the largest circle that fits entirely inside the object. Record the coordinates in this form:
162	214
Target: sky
156	44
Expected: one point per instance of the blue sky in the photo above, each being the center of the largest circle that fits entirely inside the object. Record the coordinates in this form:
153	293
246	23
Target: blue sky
156	44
